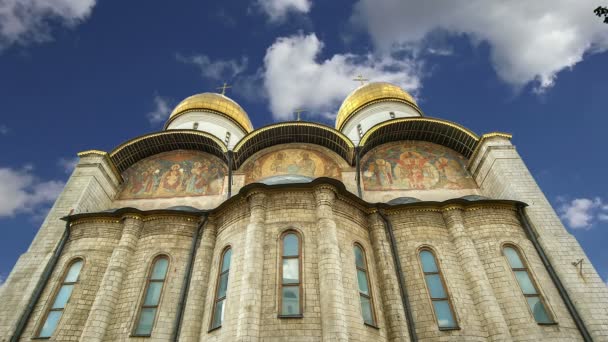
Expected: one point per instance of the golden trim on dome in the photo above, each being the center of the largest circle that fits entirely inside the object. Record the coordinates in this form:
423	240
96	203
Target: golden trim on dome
368	94
216	103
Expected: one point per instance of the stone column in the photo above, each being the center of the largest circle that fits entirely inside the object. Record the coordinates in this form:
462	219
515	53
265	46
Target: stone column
331	286
477	279
391	295
109	289
248	328
192	321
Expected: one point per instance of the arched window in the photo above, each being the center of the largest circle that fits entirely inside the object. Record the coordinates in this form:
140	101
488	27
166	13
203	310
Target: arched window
291	284
528	287
151	300
219	304
62	296
436	288
365	290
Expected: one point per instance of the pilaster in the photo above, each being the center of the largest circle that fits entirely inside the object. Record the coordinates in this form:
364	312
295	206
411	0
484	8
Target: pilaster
248	328
331	287
478	282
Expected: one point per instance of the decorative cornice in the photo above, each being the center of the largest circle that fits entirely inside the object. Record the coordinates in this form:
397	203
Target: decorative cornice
482	140
106	157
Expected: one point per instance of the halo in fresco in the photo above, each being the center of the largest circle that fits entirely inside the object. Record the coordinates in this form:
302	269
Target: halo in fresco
414	165
174	174
291	161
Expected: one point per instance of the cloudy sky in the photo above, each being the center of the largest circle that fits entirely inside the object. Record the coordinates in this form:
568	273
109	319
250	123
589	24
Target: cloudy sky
81	74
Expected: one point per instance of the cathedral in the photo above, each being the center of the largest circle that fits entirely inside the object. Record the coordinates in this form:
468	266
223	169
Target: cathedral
391	226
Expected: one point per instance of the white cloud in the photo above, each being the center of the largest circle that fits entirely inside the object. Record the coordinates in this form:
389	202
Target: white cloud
215	70
530	41
3	130
21	191
24	21
277	10
295	77
582	213
68	164
161	110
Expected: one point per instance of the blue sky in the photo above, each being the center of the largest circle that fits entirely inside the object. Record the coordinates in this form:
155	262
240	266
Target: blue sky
77	75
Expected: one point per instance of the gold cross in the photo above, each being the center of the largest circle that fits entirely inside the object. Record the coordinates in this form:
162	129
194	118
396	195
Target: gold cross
298	111
223	88
360	79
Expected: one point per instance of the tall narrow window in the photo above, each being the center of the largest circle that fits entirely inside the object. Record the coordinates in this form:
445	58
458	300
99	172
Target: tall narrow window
365	292
61	299
219	304
527	285
436	288
291	284
151	301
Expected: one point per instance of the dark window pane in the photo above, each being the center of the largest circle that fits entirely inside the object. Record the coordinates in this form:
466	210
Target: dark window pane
290	245
523	278
62	296
428	261
513	258
291	271
146	321
366	310
218	314
445	318
226	260
159	271
538	310
153	293
291	300
50	324
359	257
362	279
433	281
221	290
73	272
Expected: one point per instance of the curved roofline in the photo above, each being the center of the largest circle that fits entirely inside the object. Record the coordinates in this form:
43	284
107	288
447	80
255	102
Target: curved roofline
367	104
136	149
211	111
346	152
439	131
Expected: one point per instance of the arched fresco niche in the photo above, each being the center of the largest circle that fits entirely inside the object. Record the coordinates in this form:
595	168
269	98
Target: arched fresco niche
290	159
174	174
414	165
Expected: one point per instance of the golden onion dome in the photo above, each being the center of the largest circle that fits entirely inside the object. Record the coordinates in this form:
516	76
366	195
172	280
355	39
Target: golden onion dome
216	103
368	94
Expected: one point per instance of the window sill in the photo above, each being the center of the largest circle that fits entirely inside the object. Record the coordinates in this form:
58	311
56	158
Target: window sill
41	338
213	329
372	325
142	335
448	328
290	316
549	324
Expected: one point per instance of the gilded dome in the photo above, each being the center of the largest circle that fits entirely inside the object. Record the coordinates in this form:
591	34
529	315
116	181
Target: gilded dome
213	102
371	93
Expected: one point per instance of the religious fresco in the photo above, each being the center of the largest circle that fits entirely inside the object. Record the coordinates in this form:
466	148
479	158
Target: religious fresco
174	174
290	161
414	166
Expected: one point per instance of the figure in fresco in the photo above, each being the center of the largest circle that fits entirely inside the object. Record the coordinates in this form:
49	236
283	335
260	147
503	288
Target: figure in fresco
306	166
198	181
278	164
256	171
415	170
171	181
450	172
382	172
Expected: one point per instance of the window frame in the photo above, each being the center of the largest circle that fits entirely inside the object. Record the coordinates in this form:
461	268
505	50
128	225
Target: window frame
146	288
448	294
299	283
215	299
56	291
532	278
370	297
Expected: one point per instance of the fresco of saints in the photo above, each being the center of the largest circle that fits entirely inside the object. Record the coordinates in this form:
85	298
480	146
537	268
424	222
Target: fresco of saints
146	182
415	170
198	182
383	173
278	164
451	171
171	181
306	166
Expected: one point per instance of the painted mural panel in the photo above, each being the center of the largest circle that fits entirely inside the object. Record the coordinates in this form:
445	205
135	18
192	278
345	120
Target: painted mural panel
414	165
174	174
290	161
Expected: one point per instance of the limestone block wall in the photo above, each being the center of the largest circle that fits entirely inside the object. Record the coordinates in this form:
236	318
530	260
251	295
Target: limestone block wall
91	187
490	229
501	173
93	242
